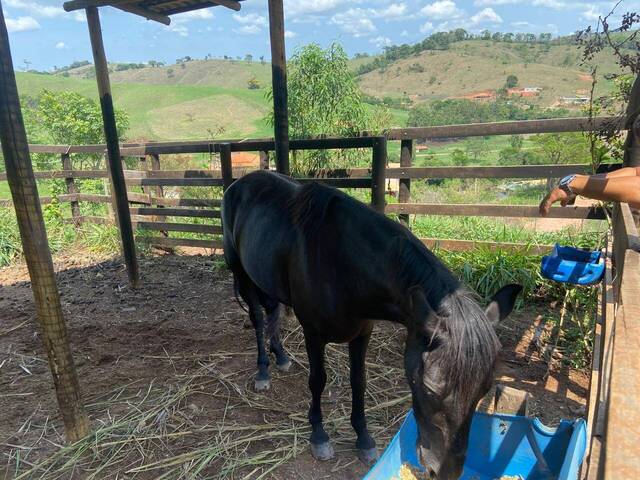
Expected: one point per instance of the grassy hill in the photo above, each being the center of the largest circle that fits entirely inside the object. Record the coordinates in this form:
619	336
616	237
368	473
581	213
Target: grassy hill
476	65
197	99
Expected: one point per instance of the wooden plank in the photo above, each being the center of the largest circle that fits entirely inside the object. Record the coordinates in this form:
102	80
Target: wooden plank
378	165
526	171
175	182
340	182
406	160
186	202
237	172
279	85
113	147
180	227
180	242
35	247
72	189
145	13
48	174
466	245
72	5
622	449
555	125
530	211
175	212
225	165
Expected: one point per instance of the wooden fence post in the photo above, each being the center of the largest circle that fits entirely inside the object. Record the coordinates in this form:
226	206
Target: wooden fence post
72	189
406	160
279	85
632	143
33	234
116	174
226	165
155	165
379	164
264	160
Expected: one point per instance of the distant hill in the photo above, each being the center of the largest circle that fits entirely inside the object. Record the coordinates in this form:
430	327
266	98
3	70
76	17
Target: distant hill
477	65
197	98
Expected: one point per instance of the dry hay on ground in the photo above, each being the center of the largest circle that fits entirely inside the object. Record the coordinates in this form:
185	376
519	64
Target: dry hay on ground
167	373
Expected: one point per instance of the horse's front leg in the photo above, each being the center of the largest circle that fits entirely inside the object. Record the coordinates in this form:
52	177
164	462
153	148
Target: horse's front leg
365	444
321	447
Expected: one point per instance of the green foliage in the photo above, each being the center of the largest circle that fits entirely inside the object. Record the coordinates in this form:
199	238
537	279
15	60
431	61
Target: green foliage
10	246
460	111
459	157
69	118
559	148
324	98
512	81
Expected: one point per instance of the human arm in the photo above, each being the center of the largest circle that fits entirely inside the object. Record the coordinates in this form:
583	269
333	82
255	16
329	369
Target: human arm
623	187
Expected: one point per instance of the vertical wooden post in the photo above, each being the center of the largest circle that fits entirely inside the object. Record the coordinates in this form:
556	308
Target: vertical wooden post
26	201
406	160
155	165
113	148
379	164
72	189
226	165
264	160
632	143
279	84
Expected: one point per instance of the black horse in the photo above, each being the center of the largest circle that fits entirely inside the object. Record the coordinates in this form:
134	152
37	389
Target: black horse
341	265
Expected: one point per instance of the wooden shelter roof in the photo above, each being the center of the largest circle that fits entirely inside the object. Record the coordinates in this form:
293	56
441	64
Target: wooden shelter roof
157	10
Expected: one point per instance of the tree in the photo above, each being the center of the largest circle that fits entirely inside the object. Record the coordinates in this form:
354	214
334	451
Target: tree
476	147
68	118
512	81
261	59
248	58
561	148
486	35
324	98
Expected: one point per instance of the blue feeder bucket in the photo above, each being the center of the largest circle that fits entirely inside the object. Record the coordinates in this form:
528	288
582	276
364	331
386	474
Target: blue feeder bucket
499	445
572	265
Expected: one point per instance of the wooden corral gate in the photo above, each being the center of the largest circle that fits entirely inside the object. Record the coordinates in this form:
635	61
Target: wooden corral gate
614	400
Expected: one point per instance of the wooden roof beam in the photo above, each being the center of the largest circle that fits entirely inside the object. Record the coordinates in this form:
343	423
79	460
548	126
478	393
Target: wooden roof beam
125	5
232	4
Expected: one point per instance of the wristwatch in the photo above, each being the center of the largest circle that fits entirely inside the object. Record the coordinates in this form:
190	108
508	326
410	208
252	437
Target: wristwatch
564	184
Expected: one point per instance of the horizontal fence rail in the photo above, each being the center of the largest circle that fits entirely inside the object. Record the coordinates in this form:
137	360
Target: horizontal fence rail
524	211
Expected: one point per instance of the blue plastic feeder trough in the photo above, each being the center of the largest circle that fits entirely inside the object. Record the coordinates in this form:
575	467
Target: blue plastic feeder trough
499	445
572	265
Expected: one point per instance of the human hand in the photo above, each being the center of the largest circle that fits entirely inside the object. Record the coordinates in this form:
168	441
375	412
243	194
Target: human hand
555	195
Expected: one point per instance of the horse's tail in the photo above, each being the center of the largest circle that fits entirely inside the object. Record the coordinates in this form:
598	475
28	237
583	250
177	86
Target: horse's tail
236	293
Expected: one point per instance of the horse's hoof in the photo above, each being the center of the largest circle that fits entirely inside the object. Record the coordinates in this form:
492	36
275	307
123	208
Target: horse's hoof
262	385
322	451
284	367
368	455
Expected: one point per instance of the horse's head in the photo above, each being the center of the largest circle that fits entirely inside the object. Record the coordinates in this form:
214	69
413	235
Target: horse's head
449	361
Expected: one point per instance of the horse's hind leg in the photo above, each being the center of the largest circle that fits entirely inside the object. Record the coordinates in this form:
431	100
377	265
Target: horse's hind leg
274	310
366	446
249	293
321	447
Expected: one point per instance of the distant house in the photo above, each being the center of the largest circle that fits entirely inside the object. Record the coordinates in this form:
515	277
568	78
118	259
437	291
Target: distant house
483	95
245	160
574	100
525	92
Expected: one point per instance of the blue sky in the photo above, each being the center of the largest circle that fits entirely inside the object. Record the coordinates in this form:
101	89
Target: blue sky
43	34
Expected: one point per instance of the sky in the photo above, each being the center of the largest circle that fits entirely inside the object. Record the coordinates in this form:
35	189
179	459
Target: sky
46	36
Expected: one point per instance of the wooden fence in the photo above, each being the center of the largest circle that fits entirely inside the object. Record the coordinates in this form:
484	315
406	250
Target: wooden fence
151	207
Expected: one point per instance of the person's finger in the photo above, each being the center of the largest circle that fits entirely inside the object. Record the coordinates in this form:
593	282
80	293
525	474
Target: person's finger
564	202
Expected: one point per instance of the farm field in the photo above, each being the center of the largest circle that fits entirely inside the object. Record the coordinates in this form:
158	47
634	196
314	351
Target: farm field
167	374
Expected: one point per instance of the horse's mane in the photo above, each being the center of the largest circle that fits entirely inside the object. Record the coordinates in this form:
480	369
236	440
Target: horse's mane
473	344
309	207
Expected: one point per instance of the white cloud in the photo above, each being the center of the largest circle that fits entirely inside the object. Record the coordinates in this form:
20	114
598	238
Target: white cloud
426	27
250	19
36	9
394	10
204	14
553	4
380	41
591	14
487	15
179	29
522	24
290	34
296	8
406	33
354	22
442	9
61	45
248	30
22	24
79	16
493	3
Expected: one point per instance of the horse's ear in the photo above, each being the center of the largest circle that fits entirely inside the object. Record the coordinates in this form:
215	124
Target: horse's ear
502	303
418	307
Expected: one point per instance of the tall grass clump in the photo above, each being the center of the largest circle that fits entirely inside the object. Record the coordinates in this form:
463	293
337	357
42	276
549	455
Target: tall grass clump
10	246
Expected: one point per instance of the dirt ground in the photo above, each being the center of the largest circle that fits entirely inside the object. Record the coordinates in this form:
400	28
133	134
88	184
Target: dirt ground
167	373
